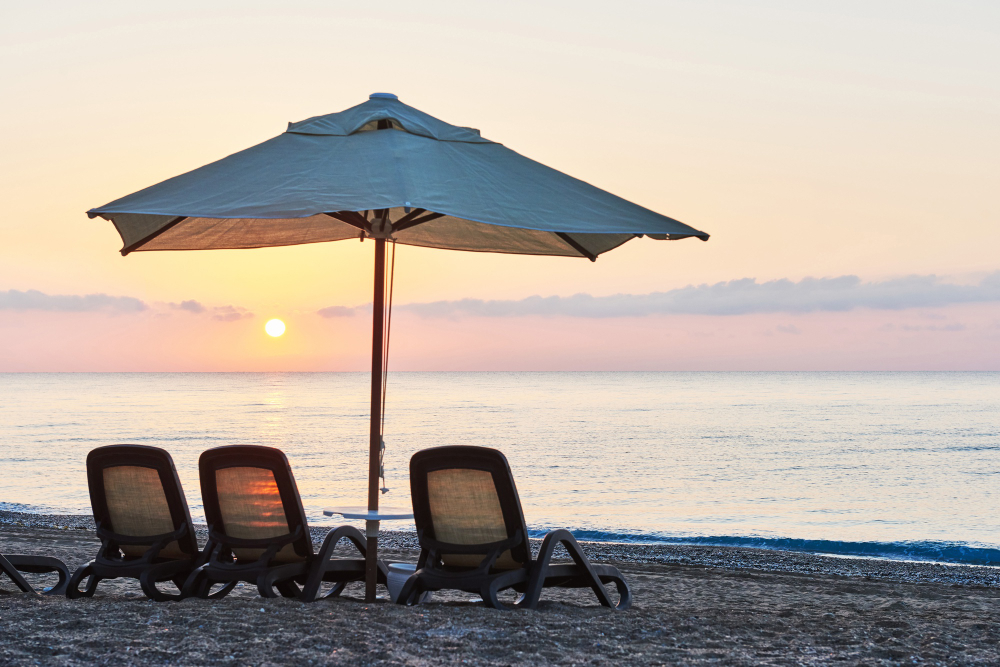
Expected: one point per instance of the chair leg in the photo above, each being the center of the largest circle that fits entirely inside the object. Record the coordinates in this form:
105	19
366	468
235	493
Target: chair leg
61	586
199	584
148	585
83	572
310	590
288	589
162	572
624	592
537	580
492	587
410	592
8	568
42	565
279	579
193	584
221	593
337	589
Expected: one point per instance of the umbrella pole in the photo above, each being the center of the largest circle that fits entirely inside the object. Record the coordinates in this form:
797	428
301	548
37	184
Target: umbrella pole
375	443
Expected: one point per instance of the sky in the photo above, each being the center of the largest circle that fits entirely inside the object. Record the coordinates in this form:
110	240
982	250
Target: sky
843	156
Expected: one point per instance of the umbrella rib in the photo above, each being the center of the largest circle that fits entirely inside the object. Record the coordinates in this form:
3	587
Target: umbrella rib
576	246
143	241
352	218
409	216
406	221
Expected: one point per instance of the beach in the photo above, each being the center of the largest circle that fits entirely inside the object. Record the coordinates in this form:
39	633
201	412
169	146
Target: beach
692	605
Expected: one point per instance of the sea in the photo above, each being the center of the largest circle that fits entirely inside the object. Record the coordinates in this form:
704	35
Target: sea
899	465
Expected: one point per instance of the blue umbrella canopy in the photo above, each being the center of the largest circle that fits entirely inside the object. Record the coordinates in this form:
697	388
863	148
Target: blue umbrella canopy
424	183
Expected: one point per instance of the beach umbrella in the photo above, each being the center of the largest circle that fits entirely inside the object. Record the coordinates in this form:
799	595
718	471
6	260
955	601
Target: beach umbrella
382	170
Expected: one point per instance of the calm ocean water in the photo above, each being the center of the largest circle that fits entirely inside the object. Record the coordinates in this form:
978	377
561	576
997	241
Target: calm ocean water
902	465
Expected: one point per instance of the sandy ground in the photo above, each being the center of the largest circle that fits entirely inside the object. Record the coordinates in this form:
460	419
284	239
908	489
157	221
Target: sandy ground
692	605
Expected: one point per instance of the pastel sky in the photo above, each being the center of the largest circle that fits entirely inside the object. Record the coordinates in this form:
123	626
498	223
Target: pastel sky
843	156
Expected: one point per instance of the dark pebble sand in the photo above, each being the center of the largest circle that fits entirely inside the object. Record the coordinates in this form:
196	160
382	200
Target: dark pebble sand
692	605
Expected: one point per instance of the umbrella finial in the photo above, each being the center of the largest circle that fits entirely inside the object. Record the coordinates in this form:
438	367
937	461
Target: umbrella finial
383	96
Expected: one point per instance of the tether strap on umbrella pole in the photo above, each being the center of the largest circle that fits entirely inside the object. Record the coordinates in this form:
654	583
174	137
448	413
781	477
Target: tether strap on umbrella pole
385	363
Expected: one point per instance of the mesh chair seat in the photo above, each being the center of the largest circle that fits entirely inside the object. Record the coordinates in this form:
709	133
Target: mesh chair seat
137	507
466	510
251	508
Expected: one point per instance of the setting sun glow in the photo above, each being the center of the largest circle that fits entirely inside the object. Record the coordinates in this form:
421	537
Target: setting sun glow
274	328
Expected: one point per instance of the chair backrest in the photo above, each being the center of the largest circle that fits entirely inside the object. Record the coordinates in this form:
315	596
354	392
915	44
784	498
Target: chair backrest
249	493
135	491
466	495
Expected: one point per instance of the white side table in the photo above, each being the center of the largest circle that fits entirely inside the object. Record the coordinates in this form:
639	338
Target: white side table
372	519
362	512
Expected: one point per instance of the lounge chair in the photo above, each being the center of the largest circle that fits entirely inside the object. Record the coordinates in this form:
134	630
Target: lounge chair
258	531
142	521
473	537
10	565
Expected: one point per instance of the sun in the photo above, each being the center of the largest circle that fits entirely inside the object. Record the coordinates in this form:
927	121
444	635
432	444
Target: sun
274	328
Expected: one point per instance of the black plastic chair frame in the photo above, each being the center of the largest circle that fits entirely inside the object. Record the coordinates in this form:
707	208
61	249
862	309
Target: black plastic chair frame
13	565
271	578
544	573
109	565
150	569
484	579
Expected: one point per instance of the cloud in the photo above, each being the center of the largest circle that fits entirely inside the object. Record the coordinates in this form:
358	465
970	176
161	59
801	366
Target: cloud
230	313
190	305
735	297
221	313
88	303
337	311
69	303
947	327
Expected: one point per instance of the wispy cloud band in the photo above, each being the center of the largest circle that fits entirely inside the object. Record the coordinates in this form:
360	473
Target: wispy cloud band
69	303
92	303
338	311
735	297
190	306
230	313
